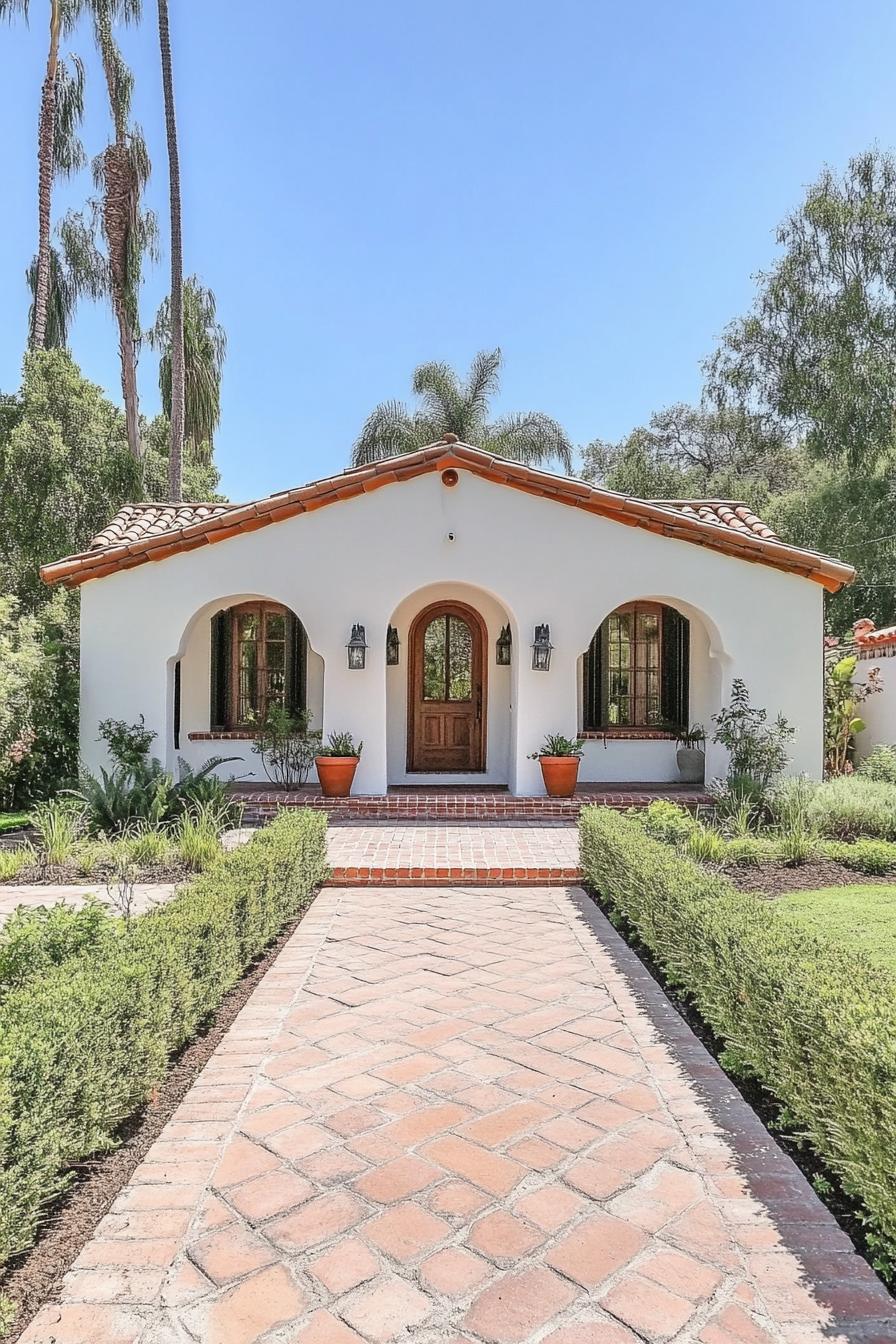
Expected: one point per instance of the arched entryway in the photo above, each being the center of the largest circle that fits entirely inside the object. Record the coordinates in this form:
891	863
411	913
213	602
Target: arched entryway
447	690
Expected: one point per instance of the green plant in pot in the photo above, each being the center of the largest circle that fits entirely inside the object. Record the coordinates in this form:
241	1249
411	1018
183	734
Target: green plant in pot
559	758
336	764
691	754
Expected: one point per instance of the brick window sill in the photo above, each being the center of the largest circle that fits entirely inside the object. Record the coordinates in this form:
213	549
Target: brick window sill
225	735
628	735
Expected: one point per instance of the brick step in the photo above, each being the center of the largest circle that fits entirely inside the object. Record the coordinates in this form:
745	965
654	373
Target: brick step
455	876
412	805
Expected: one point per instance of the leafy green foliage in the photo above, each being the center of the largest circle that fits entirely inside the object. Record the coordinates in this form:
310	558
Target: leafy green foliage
340	744
38	697
127	743
843	698
145	792
859	917
33	941
557	744
58	822
667	821
756	750
851	806
448	404
12	861
86	1037
809	1016
880	764
875	857
205	346
287	745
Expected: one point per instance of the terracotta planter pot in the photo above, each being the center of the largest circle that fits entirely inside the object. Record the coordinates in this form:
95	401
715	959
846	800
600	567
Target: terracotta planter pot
560	774
336	774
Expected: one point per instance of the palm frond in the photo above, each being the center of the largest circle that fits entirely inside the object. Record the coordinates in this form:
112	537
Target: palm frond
205	348
61	300
531	437
483	382
86	266
10	8
439	388
388	431
119	77
68	152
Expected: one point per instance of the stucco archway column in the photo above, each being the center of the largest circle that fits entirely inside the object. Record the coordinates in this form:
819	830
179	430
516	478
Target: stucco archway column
355	702
544	702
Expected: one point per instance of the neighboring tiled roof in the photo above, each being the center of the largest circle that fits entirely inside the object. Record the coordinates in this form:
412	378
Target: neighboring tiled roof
155	531
866	637
133	522
730	513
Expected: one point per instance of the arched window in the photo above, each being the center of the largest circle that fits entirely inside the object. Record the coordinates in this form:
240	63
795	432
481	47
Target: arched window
635	671
258	660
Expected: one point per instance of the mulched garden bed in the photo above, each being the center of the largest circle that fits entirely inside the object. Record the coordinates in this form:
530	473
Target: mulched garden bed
32	1278
72	875
776	879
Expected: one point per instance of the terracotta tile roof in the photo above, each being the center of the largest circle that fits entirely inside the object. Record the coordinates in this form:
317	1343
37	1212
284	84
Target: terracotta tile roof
143	532
135	521
866	637
730	513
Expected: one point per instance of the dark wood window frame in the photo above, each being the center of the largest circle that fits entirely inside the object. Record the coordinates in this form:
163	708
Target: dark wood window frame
672	661
225	715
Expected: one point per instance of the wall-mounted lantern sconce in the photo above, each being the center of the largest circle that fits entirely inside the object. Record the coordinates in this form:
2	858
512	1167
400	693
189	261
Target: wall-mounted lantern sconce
503	646
357	649
541	649
393	645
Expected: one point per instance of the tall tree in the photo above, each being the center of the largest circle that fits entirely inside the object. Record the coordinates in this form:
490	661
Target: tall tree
121	172
58	148
63	296
176	302
460	406
817	351
205	346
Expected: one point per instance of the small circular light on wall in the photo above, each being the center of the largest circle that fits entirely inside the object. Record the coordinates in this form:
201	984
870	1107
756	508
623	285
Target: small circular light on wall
393	647
503	645
541	649
357	649
450	477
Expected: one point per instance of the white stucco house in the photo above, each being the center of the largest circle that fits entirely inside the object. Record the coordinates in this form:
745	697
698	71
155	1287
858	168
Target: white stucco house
876	652
451	562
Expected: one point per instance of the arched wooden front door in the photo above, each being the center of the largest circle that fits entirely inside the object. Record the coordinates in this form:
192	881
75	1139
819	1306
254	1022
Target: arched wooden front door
447	690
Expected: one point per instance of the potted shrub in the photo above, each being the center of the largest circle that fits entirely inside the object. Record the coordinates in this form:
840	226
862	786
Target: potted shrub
691	754
559	757
337	763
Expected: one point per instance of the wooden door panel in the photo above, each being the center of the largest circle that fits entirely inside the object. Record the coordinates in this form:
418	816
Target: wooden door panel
446	690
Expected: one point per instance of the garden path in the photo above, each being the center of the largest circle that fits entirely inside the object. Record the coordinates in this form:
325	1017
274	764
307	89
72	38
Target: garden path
146	895
454	1116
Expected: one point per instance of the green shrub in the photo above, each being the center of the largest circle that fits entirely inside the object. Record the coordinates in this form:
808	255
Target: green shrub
814	1022
865	856
851	806
706	845
667	821
197	838
147	846
12	861
748	851
58	824
84	1041
34	940
880	764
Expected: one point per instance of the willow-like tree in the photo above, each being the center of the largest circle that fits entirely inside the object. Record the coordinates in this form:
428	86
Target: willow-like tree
58	151
205	346
450	404
176	409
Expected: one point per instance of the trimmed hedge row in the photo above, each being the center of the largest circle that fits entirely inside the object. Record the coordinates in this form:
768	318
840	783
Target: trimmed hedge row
86	1038
814	1023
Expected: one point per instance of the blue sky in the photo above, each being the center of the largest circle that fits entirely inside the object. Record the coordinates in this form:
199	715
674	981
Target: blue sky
368	185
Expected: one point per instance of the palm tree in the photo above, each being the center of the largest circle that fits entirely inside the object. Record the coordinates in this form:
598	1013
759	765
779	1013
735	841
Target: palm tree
121	172
58	148
205	346
176	303
448	404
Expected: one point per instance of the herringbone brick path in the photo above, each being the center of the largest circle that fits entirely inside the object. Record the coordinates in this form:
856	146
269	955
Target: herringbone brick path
458	1116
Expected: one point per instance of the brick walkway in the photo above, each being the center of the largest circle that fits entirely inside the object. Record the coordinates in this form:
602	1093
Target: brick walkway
429	853
456	1116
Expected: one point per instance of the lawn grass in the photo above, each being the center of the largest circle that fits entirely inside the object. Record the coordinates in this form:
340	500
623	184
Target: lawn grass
13	821
860	918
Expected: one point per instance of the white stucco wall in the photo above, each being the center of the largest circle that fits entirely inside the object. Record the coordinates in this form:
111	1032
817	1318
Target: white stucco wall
879	710
370	558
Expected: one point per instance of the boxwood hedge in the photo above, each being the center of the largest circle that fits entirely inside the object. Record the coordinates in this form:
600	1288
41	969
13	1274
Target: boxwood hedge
813	1023
86	1037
